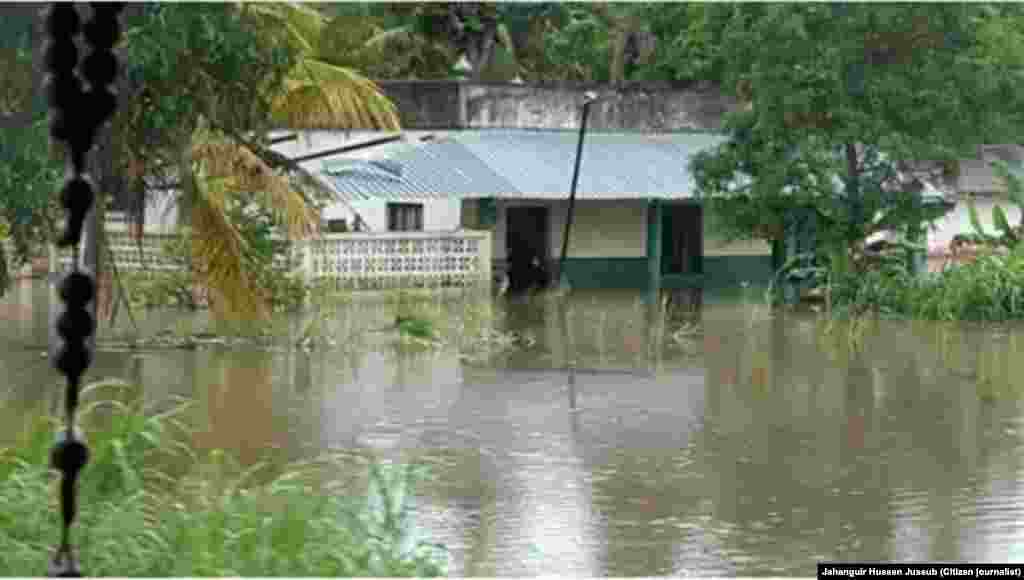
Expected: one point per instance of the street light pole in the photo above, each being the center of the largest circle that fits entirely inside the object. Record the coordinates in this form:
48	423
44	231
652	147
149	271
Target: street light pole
588	99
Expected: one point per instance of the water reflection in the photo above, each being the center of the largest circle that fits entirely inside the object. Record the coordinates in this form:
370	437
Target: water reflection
605	450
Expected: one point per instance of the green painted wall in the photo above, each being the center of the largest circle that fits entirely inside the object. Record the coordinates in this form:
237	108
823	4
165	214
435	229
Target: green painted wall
720	272
724	266
617	273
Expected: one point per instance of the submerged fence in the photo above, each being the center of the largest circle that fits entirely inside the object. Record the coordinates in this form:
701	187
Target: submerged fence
355	260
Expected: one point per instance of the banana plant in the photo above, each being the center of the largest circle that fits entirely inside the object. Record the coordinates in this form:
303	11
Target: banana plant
1007	236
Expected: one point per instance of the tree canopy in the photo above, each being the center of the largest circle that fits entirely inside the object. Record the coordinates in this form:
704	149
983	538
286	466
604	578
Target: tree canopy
201	86
205	102
844	104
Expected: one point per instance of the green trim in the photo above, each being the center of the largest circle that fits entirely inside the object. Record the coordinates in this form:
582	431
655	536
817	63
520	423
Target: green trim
731	271
720	272
654	219
488	212
682	281
598	273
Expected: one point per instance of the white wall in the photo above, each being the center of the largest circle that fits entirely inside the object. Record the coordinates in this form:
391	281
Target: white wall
438	215
441	215
958	221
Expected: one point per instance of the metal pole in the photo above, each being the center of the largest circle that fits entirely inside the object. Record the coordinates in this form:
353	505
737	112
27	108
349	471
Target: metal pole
589	98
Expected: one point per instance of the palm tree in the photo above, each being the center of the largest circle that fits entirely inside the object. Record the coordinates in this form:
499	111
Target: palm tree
221	164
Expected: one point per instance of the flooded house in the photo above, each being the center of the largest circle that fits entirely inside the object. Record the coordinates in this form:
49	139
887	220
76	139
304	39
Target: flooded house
636	223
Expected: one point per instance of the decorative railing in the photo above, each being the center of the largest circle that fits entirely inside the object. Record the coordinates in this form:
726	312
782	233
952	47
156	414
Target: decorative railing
354	260
132	253
459	258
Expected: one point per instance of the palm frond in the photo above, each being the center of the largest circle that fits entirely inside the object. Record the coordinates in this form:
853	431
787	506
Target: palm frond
325	96
219	248
247	173
302	25
399	35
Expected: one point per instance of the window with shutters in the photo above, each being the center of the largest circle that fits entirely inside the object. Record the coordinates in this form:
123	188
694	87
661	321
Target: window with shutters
405	217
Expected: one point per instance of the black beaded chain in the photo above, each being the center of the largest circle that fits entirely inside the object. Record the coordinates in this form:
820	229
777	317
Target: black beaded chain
77	113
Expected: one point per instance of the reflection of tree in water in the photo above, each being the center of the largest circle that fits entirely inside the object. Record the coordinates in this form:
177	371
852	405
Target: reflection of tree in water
827	471
239	402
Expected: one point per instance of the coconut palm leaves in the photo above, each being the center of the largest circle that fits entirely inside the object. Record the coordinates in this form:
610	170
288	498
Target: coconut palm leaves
324	96
221	173
225	166
317	94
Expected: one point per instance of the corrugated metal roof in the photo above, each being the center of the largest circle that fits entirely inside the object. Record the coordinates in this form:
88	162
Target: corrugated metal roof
529	164
433	170
612	166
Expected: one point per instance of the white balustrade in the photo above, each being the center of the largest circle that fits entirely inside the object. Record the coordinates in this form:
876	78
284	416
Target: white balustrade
126	251
356	260
460	258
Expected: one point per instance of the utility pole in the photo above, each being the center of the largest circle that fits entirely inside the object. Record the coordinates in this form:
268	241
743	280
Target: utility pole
588	99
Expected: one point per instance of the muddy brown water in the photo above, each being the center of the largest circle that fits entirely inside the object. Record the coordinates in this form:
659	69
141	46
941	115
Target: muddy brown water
756	446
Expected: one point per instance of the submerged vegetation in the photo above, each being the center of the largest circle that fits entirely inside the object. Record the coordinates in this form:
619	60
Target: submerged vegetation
987	288
151	506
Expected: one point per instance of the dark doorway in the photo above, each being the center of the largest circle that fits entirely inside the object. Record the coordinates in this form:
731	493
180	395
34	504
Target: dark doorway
526	245
682	239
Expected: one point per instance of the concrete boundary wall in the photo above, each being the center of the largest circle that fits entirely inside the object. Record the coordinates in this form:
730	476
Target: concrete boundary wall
633	106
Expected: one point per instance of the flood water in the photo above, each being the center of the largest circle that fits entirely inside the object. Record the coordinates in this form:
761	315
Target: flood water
748	445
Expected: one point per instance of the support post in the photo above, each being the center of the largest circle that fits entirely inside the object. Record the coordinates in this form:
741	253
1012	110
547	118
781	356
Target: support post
654	226
562	279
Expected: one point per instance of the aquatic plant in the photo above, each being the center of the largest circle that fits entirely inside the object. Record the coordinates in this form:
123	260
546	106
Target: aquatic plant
202	514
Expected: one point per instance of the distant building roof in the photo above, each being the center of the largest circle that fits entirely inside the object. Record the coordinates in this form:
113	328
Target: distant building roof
529	164
978	176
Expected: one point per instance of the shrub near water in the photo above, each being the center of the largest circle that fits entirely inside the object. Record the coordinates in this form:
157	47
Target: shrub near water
212	521
989	289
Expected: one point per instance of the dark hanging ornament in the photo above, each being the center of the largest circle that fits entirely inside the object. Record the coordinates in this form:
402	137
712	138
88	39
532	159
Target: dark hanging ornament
77	197
62	21
76	115
61	56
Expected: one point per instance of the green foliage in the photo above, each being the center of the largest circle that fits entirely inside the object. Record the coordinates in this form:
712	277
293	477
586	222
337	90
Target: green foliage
160	288
833	127
536	41
580	49
165	288
209	60
267	260
689	42
417	328
29	178
989	289
183	513
267	257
